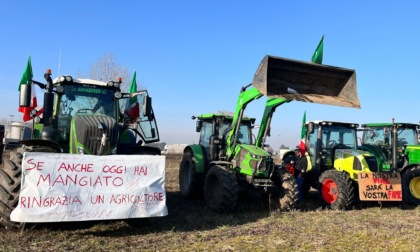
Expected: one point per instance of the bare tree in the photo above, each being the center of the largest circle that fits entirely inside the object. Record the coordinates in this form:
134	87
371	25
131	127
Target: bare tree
107	68
3	121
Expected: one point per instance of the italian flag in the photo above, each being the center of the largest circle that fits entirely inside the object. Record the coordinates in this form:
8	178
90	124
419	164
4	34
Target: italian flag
132	107
27	80
302	144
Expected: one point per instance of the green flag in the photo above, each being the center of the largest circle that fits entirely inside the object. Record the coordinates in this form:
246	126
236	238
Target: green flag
317	57
133	88
27	74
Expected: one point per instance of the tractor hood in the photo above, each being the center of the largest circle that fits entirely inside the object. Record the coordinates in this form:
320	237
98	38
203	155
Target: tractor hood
307	82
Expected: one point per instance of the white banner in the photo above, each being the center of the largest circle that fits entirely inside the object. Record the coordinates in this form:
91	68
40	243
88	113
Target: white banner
69	187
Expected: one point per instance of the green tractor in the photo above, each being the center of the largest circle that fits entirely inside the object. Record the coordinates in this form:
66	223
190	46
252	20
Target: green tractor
226	159
80	116
334	162
397	150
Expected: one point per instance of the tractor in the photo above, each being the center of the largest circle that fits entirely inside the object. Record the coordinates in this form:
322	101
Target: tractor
226	159
396	148
80	116
334	162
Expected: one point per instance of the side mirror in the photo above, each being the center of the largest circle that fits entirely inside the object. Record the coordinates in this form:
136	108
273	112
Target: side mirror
198	125
147	106
25	95
310	127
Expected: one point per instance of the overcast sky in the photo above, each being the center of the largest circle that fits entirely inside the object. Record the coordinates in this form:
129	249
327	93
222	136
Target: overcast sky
194	56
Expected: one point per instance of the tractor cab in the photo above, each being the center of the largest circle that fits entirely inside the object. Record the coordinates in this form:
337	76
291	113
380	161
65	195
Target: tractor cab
214	130
378	138
334	145
85	116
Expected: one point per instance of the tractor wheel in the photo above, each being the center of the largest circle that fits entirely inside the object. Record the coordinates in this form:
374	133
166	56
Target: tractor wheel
190	182
336	190
10	178
10	182
221	190
286	195
411	186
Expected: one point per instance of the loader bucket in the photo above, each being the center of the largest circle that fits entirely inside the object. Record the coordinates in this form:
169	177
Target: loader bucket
307	82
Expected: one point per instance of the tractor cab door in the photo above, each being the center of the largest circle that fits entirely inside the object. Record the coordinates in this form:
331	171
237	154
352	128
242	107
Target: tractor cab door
136	113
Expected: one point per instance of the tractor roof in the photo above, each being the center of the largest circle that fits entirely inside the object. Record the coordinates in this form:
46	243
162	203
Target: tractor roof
82	81
330	123
401	124
65	79
209	116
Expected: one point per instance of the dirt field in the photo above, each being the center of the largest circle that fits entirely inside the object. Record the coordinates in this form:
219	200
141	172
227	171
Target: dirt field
190	226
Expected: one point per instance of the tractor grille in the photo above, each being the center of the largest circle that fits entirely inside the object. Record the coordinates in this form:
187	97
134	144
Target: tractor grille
90	129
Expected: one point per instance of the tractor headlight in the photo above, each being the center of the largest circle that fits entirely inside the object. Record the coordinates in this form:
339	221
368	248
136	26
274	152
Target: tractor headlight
65	78
59	89
116	84
110	83
81	150
118	95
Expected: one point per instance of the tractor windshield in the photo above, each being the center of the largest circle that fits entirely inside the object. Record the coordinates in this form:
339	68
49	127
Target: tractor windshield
78	99
244	136
383	136
338	134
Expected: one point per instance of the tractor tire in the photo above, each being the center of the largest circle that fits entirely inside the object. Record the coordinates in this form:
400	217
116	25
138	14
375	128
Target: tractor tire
10	182
286	196
336	190
411	186
190	182
10	179
221	190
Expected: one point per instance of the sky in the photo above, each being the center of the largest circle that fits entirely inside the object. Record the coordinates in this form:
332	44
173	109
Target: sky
194	56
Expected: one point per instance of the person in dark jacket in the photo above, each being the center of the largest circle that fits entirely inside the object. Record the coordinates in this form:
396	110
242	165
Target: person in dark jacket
299	171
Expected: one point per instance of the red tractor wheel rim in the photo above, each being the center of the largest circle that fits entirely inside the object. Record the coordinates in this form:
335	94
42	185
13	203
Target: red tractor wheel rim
329	191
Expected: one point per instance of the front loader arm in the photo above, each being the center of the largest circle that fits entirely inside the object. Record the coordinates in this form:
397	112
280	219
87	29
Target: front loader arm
245	97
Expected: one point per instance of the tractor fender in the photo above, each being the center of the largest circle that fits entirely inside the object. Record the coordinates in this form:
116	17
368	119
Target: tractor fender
42	142
407	167
287	154
224	164
198	156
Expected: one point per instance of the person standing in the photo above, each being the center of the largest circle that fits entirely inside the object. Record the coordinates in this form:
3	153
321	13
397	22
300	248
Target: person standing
299	171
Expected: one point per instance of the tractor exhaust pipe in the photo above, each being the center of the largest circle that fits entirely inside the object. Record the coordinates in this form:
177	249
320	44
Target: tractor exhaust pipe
307	82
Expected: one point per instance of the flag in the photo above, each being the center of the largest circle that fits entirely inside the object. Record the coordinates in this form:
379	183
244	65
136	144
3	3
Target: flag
132	107
317	57
27	79
302	144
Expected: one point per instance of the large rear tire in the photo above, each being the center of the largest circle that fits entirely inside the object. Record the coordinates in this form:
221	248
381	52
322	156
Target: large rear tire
336	190
221	190
190	182
286	195
411	186
10	179
10	182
